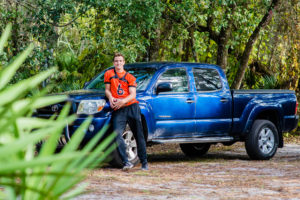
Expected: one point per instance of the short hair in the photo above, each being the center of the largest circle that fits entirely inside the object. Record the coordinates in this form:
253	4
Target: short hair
118	55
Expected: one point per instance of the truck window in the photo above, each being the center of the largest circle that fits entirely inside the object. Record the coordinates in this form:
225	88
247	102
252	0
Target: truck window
207	79
143	76
178	78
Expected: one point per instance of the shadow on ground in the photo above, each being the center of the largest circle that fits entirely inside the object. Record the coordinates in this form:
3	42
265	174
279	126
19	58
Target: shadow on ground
178	157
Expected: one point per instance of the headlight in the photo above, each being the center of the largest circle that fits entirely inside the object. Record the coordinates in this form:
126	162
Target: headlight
90	107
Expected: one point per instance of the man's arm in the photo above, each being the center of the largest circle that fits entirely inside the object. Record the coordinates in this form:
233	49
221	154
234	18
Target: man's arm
109	96
121	102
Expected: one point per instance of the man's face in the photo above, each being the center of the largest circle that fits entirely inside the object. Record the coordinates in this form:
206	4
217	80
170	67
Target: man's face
119	62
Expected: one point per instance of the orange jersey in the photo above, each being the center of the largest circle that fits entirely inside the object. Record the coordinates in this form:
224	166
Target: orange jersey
120	83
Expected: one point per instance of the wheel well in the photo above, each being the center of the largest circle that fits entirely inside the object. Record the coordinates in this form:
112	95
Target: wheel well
272	116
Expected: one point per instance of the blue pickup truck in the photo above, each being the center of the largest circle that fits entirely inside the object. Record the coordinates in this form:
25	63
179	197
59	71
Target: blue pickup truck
192	105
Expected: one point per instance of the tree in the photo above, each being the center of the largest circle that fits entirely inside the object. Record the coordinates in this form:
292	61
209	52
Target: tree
38	21
251	41
227	23
232	34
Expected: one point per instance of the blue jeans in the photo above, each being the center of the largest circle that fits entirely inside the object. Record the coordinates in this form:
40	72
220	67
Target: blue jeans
132	115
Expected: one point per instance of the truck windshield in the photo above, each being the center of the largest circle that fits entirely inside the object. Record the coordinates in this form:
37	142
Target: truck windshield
142	75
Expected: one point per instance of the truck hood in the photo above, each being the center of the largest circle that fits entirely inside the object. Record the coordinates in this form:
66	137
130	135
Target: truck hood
86	94
77	95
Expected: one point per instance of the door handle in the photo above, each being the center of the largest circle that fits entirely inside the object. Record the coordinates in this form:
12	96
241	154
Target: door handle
190	101
224	100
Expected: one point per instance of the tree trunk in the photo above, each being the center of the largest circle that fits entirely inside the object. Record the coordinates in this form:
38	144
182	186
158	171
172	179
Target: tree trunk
222	49
155	46
207	50
192	41
246	54
186	50
223	38
273	48
15	31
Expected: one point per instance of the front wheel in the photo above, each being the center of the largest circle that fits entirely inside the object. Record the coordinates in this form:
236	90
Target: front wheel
262	142
131	150
194	149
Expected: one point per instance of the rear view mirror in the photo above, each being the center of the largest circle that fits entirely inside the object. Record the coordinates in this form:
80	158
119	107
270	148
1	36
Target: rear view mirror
163	87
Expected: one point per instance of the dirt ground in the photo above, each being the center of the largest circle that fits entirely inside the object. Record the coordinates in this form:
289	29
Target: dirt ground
224	173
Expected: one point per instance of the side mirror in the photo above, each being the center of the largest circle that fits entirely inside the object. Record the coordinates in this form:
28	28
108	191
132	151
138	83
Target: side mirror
86	83
163	87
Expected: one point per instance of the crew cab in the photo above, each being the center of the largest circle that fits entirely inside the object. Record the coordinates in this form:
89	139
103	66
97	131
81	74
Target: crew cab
190	104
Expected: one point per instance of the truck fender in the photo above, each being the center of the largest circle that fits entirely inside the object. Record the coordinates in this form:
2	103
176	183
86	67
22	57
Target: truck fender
256	113
147	120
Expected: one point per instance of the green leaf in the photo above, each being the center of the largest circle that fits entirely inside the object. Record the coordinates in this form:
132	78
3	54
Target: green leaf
38	103
77	136
4	37
32	123
47	175
77	191
50	145
33	138
84	162
100	148
71	146
39	161
20	144
93	142
7	73
13	187
17	90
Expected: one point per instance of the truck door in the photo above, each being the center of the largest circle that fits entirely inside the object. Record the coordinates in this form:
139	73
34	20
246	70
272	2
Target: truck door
213	103
174	111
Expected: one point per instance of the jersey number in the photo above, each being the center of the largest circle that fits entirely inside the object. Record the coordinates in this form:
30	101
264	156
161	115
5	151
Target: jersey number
120	90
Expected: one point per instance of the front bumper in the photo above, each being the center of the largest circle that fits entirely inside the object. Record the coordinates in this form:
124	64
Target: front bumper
95	126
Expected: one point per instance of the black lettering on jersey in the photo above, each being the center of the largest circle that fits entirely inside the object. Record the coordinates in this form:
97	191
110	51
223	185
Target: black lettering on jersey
120	91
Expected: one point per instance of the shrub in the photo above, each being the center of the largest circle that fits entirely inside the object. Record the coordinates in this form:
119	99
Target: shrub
23	173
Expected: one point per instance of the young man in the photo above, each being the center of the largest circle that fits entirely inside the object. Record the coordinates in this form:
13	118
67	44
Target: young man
120	89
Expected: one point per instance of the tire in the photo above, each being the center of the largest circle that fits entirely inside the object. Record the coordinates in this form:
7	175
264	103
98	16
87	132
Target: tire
262	142
195	149
131	150
60	144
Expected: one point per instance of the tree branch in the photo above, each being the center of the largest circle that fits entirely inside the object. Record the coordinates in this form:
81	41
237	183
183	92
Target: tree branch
212	34
181	18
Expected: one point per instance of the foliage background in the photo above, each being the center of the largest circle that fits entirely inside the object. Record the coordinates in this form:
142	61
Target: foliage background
80	37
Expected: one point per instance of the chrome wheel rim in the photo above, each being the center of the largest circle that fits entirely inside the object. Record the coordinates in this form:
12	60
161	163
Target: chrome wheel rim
266	140
131	146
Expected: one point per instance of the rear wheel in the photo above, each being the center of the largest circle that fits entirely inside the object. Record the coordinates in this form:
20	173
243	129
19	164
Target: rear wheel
131	150
262	142
195	149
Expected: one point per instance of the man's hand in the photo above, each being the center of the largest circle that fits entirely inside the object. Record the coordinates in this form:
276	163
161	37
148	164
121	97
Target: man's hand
118	103
112	102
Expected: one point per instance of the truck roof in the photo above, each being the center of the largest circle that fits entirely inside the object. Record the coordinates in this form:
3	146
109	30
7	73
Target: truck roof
158	65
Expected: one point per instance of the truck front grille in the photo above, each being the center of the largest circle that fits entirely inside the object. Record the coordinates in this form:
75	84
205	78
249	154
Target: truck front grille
54	109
